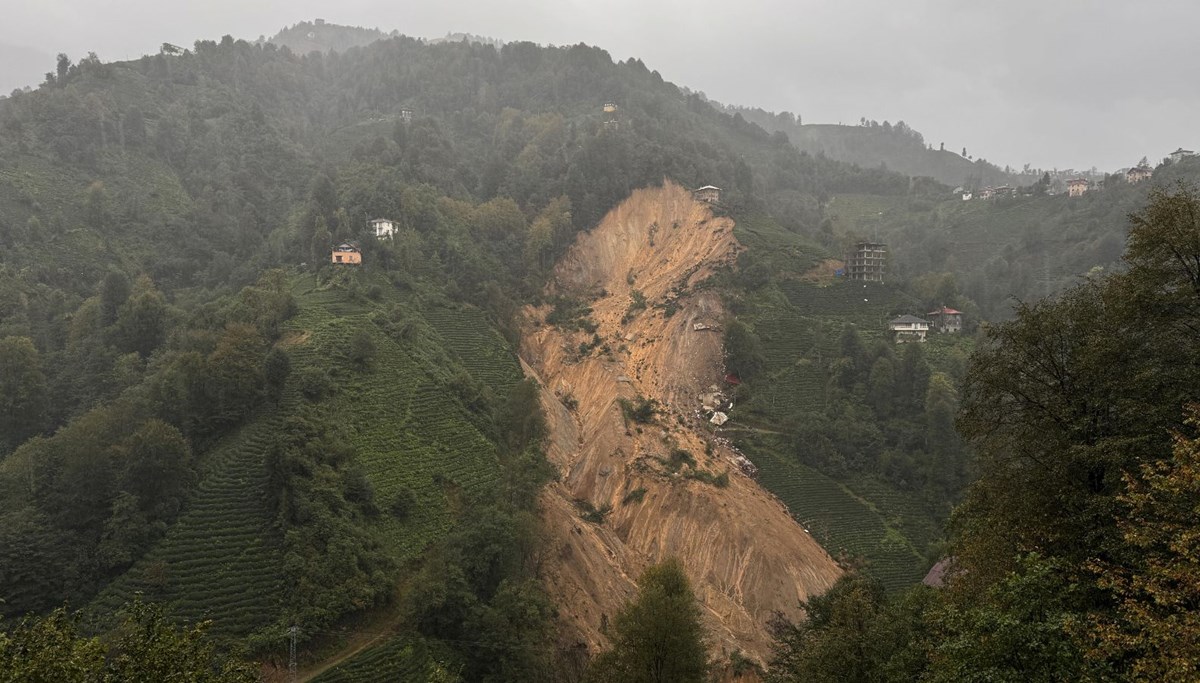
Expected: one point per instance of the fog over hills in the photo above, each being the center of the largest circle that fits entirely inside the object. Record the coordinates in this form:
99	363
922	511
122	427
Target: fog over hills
1077	85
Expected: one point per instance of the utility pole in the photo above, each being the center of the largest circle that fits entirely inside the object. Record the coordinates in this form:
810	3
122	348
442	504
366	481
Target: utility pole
292	654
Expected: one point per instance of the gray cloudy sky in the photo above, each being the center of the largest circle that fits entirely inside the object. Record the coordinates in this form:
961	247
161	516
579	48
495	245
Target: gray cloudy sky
1062	83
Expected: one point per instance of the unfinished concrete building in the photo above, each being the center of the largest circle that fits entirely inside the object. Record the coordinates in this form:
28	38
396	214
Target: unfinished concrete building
867	262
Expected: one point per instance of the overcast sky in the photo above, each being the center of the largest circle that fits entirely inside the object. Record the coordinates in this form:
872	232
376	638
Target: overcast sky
1061	84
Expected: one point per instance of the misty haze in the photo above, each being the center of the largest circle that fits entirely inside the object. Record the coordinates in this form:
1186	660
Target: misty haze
599	343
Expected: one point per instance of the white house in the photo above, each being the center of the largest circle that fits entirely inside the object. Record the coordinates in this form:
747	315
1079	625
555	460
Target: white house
909	328
1138	173
1180	154
383	228
708	193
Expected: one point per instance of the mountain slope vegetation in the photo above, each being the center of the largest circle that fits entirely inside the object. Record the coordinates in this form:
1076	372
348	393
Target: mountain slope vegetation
333	441
199	407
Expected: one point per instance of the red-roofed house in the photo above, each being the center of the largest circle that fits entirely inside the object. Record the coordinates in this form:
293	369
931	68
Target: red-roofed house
946	319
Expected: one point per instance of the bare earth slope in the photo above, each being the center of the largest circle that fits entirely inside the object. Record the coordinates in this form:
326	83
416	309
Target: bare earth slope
744	553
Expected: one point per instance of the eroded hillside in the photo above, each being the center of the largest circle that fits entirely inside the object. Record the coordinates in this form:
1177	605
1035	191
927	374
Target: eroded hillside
662	482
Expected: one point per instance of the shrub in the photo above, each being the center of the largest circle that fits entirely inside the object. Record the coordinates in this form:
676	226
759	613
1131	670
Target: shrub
641	411
589	513
679	458
314	383
634	496
404	502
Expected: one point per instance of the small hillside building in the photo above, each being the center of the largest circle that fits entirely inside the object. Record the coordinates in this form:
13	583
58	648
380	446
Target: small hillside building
346	253
946	319
908	328
610	115
1137	174
1180	154
867	262
1076	187
383	228
708	193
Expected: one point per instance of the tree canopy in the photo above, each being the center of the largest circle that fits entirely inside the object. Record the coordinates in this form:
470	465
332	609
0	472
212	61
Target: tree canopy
657	638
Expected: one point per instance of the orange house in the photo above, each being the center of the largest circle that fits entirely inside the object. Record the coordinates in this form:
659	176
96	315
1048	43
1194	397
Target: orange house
346	253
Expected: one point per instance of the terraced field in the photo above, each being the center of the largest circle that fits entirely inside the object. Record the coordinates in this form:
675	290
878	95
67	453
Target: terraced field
844	523
799	325
469	336
409	430
869	305
220	560
397	660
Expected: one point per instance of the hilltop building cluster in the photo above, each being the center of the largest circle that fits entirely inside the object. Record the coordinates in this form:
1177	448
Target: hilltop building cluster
349	253
908	328
1073	183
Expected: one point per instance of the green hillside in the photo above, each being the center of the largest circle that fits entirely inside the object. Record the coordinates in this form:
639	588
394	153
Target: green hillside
198	407
1018	248
409	431
836	416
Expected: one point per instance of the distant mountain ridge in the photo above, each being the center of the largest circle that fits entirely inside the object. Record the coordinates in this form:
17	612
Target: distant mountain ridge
321	36
894	146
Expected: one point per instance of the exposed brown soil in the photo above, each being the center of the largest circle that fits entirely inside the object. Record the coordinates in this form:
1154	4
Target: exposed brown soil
824	272
745	555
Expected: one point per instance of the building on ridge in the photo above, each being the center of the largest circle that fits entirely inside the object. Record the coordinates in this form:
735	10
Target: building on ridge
1076	187
1138	173
708	193
610	115
1180	154
867	262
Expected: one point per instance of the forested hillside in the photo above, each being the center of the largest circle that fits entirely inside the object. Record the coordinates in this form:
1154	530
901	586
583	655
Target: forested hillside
198	407
1073	555
202	412
1005	249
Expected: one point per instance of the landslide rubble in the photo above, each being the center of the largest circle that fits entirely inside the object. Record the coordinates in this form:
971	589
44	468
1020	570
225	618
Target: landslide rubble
632	493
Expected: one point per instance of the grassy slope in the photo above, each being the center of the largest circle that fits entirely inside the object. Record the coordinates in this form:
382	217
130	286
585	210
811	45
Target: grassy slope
466	336
798	323
221	559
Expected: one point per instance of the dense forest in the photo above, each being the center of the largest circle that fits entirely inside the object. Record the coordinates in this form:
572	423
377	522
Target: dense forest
179	362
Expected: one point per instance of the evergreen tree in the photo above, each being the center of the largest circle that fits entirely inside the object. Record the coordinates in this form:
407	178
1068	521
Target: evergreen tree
657	638
22	391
